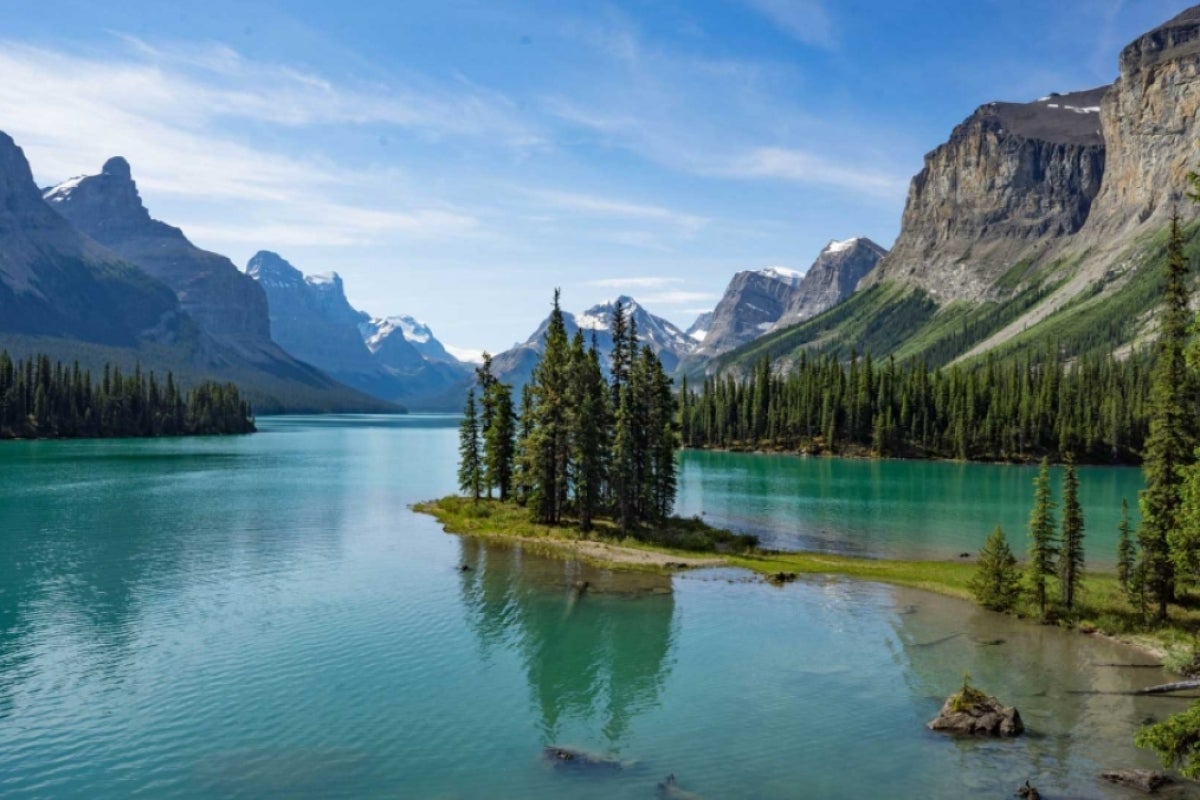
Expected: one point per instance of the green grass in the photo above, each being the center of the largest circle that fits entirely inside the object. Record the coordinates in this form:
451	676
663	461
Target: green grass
1102	606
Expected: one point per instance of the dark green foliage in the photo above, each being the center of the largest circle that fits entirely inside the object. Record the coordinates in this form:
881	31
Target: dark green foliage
1025	408
1126	548
1172	435
42	400
997	582
1043	549
497	425
1071	560
1176	740
470	460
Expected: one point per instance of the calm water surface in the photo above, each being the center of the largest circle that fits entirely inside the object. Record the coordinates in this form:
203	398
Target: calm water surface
264	617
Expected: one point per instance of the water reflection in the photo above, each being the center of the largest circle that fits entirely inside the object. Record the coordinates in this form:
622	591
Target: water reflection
584	660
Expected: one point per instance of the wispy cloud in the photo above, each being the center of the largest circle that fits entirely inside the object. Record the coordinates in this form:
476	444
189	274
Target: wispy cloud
805	167
637	283
806	21
607	206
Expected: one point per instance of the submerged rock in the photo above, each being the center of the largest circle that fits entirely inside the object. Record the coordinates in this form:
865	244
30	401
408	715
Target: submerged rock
780	578
572	757
972	712
669	789
1028	792
1144	780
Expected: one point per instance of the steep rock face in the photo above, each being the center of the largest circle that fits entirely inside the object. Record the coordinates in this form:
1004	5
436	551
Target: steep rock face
1151	122
700	328
227	304
1011	175
310	317
669	343
56	282
753	302
831	278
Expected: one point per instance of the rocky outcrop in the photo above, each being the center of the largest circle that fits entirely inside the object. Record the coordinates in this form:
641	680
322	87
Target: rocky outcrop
1143	780
227	304
973	713
752	303
1011	176
382	333
831	279
56	282
1151	123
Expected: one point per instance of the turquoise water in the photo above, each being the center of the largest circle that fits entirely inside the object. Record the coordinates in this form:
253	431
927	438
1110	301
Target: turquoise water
891	508
264	617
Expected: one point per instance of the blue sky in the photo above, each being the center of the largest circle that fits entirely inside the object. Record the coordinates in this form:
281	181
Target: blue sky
456	160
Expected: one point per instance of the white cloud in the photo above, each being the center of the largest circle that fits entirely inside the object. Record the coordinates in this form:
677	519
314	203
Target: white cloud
639	283
806	21
805	167
605	206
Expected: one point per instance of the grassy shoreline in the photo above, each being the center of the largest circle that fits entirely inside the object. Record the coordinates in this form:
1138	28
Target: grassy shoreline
1103	608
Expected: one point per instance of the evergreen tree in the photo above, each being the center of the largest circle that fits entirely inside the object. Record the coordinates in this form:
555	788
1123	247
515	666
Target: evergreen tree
997	582
1171	441
589	393
487	398
499	449
1071	561
1126	548
470	466
550	444
1043	550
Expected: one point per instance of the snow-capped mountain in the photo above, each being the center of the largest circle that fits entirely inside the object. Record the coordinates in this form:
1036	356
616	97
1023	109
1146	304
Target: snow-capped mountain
377	332
668	342
312	319
700	328
831	278
752	303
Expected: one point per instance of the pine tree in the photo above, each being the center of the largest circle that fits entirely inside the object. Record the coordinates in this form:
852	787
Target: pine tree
1043	550
1126	548
550	442
1071	561
589	393
1172	440
498	436
997	582
487	410
470	467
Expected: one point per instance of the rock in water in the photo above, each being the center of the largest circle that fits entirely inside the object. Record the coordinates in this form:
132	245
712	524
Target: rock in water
974	713
1028	792
1144	780
669	789
571	757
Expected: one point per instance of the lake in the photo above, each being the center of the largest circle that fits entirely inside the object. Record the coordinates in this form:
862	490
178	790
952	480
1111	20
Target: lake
264	617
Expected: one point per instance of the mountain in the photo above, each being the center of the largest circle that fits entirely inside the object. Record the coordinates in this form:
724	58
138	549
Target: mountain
752	303
312	319
700	328
76	285
56	282
1035	222
831	279
669	343
379	332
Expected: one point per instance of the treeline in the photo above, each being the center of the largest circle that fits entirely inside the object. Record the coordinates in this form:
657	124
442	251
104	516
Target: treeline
1022	409
582	445
40	399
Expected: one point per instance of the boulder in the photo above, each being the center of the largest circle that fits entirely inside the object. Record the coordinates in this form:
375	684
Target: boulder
572	757
1144	780
973	713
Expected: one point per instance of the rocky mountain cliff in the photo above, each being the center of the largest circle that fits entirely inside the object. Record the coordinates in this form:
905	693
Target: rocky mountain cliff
1038	221
384	333
831	279
752	303
669	343
312	319
227	304
56	282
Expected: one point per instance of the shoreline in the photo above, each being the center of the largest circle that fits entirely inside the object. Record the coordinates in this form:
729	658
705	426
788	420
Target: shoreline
865	454
947	578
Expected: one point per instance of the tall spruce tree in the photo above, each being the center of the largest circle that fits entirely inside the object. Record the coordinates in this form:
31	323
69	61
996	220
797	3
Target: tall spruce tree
1043	549
1172	438
1071	560
1126	548
550	444
470	463
499	449
589	396
486	381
